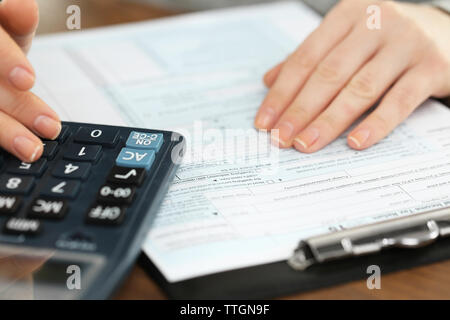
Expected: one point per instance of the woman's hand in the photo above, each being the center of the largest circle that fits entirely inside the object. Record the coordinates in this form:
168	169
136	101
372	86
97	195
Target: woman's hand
22	114
343	68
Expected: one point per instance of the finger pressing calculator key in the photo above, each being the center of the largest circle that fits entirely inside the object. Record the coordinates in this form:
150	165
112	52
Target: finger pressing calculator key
88	202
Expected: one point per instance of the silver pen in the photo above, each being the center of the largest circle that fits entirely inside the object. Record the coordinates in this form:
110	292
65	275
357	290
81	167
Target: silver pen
412	231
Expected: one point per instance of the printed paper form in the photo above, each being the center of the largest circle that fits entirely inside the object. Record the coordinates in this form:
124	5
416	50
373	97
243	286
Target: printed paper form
202	74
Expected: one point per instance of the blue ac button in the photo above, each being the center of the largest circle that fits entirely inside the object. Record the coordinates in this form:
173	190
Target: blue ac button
145	140
135	158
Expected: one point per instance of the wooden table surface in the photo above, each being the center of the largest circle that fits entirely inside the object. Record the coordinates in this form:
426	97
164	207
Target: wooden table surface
428	282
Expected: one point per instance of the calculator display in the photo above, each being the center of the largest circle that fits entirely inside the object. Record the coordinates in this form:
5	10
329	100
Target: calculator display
32	274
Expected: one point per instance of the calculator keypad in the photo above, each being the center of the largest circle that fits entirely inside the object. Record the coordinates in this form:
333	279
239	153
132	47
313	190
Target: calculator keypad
72	170
61	188
104	137
9	204
122	175
16	184
35	169
22	226
50	149
46	191
135	158
44	208
81	152
110	193
105	214
144	140
63	134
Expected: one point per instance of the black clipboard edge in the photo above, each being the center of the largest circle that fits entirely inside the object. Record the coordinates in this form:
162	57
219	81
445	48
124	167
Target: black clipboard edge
275	280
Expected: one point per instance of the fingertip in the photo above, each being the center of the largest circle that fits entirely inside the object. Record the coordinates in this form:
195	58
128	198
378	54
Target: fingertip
19	17
267	79
47	127
358	139
264	119
300	145
271	76
27	149
37	153
22	78
353	143
277	141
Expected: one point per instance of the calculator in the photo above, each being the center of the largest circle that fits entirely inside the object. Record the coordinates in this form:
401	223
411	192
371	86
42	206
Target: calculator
72	223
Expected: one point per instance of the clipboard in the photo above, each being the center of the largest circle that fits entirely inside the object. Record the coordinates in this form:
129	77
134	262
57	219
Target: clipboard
280	278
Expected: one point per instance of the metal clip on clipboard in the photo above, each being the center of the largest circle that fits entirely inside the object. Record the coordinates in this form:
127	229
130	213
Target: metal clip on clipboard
413	231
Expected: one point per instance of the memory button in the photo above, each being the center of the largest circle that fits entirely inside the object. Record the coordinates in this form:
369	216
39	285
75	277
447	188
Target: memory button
9	204
42	208
22	226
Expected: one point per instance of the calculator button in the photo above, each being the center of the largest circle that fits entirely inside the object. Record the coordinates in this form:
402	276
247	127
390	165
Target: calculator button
145	140
81	152
61	188
135	158
105	214
50	148
107	137
35	168
9	204
116	194
22	226
124	175
16	184
42	208
71	170
63	134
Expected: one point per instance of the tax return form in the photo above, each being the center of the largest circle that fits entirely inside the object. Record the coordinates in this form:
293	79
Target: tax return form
201	74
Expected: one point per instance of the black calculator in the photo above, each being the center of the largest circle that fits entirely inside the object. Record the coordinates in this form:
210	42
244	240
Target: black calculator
73	222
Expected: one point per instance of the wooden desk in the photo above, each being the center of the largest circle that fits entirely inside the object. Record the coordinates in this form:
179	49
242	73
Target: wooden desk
429	282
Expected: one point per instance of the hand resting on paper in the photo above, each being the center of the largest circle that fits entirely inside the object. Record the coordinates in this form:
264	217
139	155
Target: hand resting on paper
344	67
23	116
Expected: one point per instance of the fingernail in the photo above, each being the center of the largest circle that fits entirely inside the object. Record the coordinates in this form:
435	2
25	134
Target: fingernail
307	138
21	78
359	137
26	148
264	119
284	135
47	127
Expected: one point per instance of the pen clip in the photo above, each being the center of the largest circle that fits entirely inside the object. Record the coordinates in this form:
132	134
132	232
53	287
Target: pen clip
361	242
414	237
